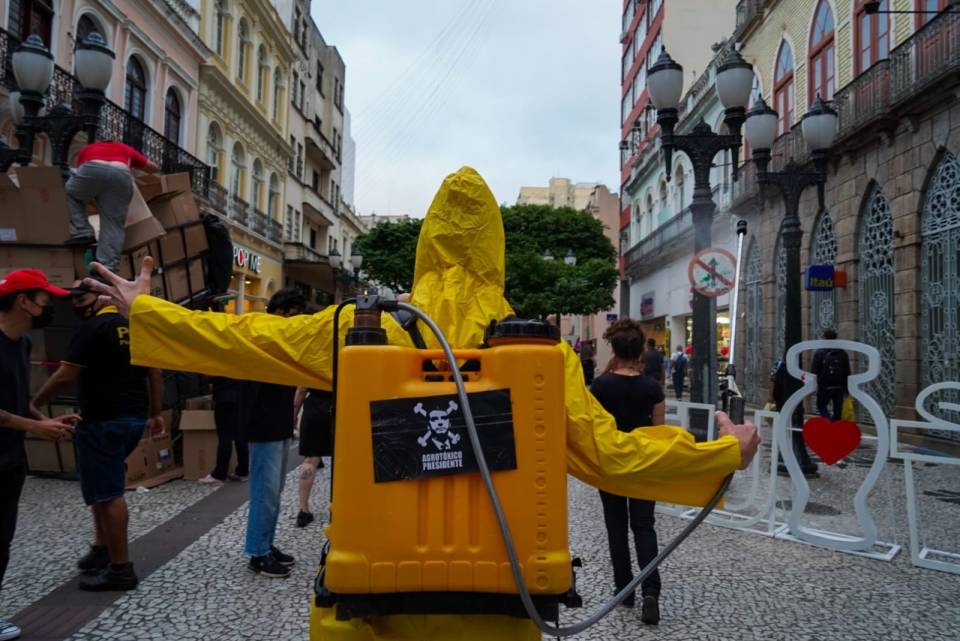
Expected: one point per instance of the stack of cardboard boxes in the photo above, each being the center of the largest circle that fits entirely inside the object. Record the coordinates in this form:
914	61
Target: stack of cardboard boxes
163	222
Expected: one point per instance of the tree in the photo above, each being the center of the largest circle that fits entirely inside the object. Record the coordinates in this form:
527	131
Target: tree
389	253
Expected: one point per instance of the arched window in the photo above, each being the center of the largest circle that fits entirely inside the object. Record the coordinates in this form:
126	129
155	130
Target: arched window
257	184
243	35
135	97
214	147
219	26
262	71
87	25
678	186
28	17
664	206
238	161
755	94
930	8
876	282
940	283
753	293
273	199
277	92
872	36
172	116
783	94
823	251
779	300
822	54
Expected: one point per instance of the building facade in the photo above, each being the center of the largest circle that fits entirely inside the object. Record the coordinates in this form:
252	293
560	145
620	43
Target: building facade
559	192
892	215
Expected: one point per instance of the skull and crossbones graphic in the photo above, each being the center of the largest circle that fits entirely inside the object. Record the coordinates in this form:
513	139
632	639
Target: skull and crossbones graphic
438	427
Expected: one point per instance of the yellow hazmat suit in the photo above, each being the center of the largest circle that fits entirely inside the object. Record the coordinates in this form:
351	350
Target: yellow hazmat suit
459	282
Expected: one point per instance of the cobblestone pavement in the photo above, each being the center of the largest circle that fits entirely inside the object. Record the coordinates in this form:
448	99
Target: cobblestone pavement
721	584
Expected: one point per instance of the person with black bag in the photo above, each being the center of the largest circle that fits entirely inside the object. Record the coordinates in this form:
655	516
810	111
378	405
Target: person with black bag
832	367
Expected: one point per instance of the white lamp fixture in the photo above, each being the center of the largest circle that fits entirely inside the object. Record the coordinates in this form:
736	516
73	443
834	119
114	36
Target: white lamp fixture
761	125
665	82
734	81
16	109
819	125
547	255
33	66
93	62
356	259
570	259
335	259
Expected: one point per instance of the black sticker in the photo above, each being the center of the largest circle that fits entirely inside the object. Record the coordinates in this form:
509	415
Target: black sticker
423	437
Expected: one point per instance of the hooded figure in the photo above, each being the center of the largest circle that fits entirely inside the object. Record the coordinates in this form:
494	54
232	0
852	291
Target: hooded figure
459	281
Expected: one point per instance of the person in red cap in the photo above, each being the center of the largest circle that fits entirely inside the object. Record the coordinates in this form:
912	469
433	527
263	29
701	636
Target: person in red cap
26	302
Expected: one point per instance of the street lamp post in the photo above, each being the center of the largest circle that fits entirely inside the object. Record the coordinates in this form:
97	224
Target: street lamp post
345	275
33	69
569	259
818	127
734	82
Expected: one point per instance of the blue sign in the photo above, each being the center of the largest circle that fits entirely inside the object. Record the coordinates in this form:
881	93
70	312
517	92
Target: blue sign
819	278
611	317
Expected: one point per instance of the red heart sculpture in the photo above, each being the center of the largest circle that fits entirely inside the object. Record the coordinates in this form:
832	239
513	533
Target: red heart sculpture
831	440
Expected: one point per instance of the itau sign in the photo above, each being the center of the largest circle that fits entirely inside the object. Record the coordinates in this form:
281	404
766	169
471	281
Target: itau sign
712	272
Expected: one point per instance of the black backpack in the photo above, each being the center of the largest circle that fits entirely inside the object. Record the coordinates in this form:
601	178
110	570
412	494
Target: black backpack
220	259
833	369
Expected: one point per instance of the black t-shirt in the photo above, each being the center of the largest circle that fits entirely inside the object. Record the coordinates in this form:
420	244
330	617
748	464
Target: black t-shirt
14	396
630	399
653	364
266	411
110	387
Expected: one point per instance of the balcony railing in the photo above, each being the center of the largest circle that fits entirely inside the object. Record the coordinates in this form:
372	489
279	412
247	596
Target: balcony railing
927	57
243	213
655	242
115	122
864	100
300	253
747	11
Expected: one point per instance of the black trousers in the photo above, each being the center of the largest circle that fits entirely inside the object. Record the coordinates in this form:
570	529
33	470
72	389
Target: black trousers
830	396
619	513
11	484
227	416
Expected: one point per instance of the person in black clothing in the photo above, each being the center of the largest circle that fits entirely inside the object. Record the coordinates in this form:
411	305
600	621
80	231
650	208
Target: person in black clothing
266	423
26	301
587	362
678	369
832	367
653	362
635	400
316	441
226	415
116	409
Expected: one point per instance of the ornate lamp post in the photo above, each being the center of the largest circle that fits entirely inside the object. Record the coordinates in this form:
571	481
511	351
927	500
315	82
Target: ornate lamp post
346	276
734	82
819	128
33	68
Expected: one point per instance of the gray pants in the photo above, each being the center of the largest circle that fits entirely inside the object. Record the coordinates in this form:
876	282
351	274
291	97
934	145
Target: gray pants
112	189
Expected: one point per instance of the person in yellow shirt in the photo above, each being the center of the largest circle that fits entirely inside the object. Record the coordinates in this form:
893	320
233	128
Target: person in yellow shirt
459	282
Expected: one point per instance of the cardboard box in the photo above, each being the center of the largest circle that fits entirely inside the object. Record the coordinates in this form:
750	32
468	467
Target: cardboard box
199	403
199	443
171	247
195	240
184	280
34	205
141	226
161	454
138	463
177	210
47	457
153	186
45	258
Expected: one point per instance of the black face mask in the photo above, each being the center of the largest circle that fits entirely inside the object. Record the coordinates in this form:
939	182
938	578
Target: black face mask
44	319
85	312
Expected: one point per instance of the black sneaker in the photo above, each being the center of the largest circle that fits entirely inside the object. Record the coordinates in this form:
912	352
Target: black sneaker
94	561
304	519
650	610
280	557
80	241
112	578
268	566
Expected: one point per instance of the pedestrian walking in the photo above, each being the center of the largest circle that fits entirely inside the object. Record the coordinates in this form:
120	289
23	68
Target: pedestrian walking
678	370
653	362
26	302
832	368
117	406
266	422
635	400
103	175
316	441
226	416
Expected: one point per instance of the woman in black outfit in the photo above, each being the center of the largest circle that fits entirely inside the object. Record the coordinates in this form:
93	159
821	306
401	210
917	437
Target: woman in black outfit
634	400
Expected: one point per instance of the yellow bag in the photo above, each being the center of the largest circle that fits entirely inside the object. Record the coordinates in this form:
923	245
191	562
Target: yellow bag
848	412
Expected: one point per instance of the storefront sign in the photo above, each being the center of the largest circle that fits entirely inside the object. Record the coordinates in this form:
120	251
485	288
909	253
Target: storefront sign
611	318
646	304
819	278
245	258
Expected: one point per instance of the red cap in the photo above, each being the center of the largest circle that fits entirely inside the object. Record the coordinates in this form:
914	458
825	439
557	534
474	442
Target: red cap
26	279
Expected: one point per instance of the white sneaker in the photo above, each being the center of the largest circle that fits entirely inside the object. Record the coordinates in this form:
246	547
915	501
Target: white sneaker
207	480
8	631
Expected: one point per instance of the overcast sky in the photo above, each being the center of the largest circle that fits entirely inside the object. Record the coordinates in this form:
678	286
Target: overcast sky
521	90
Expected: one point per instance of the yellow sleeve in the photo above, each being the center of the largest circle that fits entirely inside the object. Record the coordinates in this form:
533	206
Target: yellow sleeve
263	347
661	463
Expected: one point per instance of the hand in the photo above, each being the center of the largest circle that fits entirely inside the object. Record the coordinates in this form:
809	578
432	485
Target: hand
746	434
156	426
36	414
54	429
117	291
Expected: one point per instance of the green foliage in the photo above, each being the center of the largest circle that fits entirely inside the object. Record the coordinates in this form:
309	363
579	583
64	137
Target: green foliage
534	287
389	253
